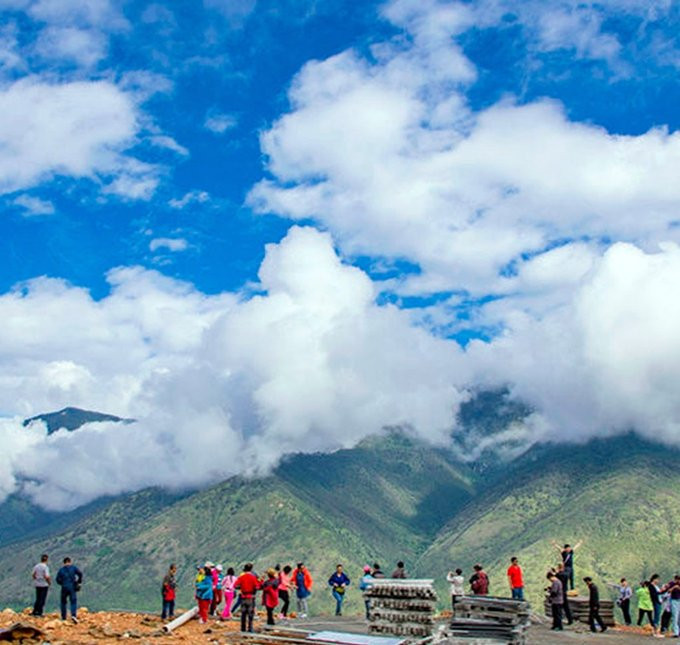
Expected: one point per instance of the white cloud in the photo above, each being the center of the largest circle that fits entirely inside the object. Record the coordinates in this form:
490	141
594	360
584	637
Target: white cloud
171	244
219	123
604	362
84	47
164	141
390	158
34	205
192	197
78	129
311	364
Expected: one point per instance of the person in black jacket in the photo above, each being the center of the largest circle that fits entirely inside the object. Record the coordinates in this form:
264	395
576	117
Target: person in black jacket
563	577
594	606
70	577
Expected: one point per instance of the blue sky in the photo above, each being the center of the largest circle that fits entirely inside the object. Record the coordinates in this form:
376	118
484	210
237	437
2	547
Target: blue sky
269	227
238	59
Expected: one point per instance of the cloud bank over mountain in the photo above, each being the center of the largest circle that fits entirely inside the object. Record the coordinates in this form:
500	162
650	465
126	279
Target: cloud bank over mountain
437	244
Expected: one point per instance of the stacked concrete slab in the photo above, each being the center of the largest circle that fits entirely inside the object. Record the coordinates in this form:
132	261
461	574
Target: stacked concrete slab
401	607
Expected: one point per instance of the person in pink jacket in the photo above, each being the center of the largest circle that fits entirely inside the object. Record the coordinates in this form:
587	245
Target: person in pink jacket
228	582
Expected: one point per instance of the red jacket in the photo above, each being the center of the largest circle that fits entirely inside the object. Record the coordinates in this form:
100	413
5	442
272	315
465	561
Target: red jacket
270	593
248	584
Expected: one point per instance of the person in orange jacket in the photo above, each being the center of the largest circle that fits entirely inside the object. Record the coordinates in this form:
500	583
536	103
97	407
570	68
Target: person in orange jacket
303	588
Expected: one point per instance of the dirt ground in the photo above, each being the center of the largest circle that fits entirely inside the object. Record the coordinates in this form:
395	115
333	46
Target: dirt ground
110	627
143	629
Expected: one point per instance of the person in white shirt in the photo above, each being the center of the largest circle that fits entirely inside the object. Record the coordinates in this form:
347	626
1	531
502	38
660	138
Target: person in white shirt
41	582
457	586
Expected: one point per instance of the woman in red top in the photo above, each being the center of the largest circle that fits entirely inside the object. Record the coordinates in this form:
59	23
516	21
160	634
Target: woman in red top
270	594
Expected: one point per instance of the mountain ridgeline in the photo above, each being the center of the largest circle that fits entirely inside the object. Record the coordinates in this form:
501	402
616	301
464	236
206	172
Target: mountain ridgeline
389	498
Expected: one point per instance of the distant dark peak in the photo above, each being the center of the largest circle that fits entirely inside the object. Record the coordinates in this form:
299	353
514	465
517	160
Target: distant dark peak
73	418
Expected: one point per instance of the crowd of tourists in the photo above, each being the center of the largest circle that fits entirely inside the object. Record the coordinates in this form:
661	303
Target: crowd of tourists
220	592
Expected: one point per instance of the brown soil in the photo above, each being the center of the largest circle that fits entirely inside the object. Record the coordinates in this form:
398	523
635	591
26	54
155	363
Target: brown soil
113	627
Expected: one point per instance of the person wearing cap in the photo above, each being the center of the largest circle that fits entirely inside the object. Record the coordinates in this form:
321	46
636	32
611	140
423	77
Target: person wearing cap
303	588
248	584
364	585
204	594
270	594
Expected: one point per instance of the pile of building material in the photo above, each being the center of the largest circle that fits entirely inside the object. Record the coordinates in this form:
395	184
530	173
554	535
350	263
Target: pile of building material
579	607
401	607
500	620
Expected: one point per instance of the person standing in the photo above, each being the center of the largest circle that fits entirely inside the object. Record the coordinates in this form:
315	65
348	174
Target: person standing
285	582
516	579
339	583
457	583
204	594
41	582
168	591
564	579
673	587
399	573
479	582
247	584
556	599
623	601
655	594
270	594
365	584
69	577
228	583
644	603
303	588
594	605
567	553
217	589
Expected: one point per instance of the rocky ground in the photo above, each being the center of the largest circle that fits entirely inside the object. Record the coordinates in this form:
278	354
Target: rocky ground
143	629
115	627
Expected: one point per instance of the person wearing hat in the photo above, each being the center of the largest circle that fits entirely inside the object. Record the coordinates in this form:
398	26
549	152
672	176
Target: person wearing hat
270	594
364	585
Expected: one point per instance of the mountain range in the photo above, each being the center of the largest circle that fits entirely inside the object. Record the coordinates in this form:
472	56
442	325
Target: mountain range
389	498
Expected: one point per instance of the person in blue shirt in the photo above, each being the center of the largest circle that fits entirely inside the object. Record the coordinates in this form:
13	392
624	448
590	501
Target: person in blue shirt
69	577
339	583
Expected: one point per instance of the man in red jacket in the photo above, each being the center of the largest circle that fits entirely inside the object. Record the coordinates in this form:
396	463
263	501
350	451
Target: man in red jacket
248	584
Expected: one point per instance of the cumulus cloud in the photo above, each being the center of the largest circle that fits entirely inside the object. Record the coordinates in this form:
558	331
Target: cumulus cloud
310	363
387	154
605	361
78	129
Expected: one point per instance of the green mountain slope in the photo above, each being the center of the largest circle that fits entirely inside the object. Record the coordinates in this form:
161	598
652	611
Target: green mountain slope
619	496
372	502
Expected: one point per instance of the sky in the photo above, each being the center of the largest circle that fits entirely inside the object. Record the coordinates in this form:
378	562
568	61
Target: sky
265	227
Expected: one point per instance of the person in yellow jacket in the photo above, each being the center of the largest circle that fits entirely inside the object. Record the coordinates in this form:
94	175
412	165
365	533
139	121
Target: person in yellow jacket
645	606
